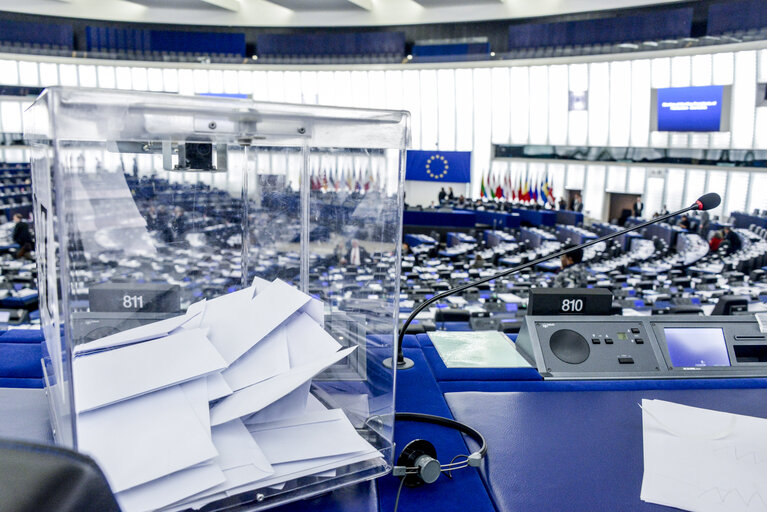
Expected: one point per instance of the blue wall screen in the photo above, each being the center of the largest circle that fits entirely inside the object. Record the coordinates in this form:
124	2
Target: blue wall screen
690	109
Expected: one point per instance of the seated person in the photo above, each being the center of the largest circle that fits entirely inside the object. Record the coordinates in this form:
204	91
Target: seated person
733	239
573	273
715	241
357	254
684	222
22	236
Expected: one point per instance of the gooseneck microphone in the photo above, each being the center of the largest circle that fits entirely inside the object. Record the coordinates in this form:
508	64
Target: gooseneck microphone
704	202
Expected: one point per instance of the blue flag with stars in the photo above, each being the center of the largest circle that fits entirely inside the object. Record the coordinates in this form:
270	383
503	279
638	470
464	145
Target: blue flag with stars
444	166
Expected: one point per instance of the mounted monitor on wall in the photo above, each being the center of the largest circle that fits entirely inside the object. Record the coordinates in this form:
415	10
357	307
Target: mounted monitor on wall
691	109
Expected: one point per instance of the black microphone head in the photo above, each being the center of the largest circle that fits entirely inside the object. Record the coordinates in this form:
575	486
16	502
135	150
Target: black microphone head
708	201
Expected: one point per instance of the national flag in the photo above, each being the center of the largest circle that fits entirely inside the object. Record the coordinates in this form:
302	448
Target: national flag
482	186
526	189
349	179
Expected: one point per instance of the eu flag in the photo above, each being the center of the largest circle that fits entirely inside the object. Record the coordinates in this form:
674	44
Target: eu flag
444	166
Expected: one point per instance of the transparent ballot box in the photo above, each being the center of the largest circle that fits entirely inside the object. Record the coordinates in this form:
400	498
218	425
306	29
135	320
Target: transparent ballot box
219	286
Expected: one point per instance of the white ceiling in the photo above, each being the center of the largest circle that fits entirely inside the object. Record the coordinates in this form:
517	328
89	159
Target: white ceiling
311	13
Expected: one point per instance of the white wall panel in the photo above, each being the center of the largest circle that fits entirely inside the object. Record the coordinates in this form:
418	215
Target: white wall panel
575	176
68	75
594	192
245	81
446	106
394	90
616	179
276	86
292	86
154	79
28	74
717	182
558	104
640	102
723	68
501	133
681	71
9	70
343	84
464	110
231	85
87	75
185	82
49	74
599	106
661	77
201	82
743	100
675	180
701	70
139	79
539	104
519	104
169	80
620	103
429	110
360	89
377	89
578	120
216	81
412	101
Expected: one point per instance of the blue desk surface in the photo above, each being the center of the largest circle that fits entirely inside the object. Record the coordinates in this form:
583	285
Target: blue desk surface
578	451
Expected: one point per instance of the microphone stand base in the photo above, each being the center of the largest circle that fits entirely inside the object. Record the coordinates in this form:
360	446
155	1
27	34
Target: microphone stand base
404	365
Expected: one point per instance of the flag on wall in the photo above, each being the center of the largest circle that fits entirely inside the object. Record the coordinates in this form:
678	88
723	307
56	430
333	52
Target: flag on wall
444	166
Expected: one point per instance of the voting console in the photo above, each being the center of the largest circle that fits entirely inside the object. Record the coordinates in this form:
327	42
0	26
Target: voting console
656	347
201	344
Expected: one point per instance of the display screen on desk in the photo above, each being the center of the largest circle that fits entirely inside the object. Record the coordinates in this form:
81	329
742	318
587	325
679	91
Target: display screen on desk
696	346
691	109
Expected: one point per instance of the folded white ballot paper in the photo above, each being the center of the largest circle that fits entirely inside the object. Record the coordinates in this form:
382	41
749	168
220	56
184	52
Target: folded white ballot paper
268	358
170	489
107	377
312	436
253	398
137	334
702	460
126	438
238	320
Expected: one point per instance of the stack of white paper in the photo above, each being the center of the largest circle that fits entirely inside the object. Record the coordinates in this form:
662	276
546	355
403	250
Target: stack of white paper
199	407
702	460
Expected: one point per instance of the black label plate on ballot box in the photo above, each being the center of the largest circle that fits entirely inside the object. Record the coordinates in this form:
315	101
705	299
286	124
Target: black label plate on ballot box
134	298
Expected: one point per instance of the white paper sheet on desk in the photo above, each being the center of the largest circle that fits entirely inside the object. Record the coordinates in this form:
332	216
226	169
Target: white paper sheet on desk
108	377
316	435
307	340
238	321
253	398
268	358
126	438
702	460
135	335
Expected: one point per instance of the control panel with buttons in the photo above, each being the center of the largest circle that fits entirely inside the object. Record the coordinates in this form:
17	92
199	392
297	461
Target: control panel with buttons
612	347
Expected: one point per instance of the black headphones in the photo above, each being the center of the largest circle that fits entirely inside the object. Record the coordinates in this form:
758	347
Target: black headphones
417	464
